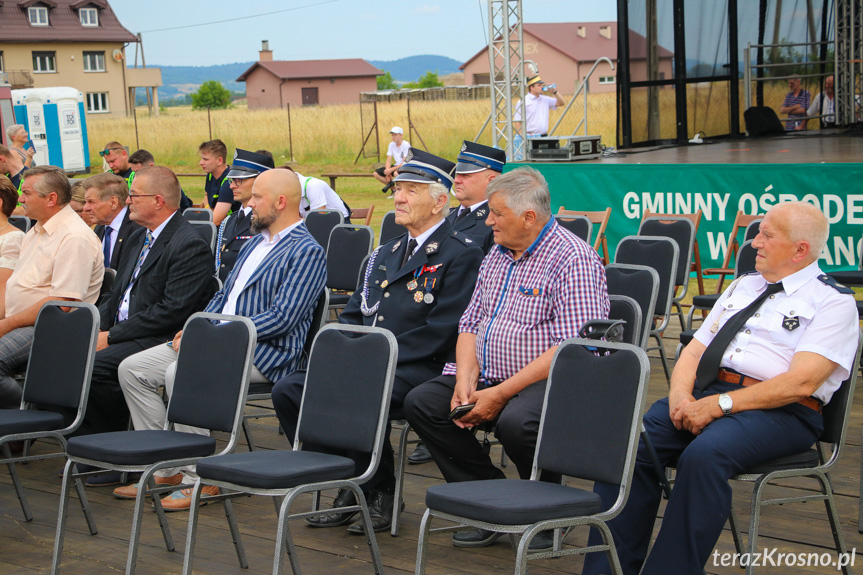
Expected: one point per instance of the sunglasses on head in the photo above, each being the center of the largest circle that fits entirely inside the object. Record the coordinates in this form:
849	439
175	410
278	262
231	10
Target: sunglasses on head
107	151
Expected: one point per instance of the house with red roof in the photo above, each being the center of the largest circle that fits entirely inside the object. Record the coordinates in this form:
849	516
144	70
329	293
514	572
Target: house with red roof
274	84
565	52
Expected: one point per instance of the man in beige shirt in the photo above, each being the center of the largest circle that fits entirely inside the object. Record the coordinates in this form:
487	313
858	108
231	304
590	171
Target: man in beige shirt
61	259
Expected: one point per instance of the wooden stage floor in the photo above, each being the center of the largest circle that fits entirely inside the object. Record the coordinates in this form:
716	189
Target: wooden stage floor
26	548
807	147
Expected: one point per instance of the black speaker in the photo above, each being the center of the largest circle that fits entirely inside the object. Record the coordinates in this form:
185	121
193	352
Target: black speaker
762	121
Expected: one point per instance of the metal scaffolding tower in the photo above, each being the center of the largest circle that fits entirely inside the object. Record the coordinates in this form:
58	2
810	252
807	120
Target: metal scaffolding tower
849	59
506	56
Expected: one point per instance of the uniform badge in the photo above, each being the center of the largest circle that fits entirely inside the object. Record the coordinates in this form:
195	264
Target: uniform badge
395	247
468	241
463	147
418	296
480	212
533	292
385	283
412	285
791	323
428	298
409	156
432	248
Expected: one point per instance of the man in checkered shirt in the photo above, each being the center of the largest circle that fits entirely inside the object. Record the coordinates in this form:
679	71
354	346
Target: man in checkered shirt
535	290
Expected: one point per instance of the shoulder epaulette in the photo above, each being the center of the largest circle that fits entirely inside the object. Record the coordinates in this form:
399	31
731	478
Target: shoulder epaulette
464	238
841	288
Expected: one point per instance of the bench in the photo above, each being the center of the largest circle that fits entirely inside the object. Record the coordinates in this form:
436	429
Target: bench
335	175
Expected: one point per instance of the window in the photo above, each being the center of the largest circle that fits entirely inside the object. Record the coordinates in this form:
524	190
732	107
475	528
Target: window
94	61
38	15
97	102
89	16
606	80
44	62
2	68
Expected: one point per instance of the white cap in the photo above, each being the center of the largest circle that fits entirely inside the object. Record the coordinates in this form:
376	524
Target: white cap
397	130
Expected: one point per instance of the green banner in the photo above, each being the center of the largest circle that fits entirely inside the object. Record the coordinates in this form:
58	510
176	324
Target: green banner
719	191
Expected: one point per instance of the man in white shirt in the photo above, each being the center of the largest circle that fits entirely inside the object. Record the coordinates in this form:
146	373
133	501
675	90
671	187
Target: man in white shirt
824	105
397	152
317	195
538	107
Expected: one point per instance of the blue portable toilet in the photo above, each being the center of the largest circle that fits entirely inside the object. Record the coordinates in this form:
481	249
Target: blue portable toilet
55	120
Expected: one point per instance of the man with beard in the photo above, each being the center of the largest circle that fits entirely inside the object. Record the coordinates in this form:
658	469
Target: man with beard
276	283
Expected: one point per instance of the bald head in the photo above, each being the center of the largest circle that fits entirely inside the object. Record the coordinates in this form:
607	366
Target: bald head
275	201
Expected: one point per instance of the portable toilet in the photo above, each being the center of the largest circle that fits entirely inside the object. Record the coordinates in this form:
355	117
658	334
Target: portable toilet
7	116
54	118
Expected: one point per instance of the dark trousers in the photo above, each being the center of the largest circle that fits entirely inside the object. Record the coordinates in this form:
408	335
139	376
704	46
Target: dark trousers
106	406
701	499
456	451
288	394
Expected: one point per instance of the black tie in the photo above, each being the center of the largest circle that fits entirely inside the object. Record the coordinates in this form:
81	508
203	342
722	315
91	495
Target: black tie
708	366
412	245
463	213
241	216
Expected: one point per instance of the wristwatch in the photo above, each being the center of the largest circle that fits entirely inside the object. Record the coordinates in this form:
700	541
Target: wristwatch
725	403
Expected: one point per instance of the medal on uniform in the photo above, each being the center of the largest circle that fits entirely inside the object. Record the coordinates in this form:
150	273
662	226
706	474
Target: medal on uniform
428	298
384	284
418	296
791	323
412	285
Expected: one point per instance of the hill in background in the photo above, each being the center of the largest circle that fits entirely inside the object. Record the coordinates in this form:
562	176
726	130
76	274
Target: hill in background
410	69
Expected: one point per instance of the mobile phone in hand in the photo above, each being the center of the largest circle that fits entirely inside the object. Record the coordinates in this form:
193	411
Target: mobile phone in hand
460	410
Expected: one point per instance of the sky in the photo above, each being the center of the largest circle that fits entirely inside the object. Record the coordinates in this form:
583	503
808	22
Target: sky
325	29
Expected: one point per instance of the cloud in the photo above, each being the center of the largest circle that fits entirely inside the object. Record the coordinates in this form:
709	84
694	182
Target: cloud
368	16
425	9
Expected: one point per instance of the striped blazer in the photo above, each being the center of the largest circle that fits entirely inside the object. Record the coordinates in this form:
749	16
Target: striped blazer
279	298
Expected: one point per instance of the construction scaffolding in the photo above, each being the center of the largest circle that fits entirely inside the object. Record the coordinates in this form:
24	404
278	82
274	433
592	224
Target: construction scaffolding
506	57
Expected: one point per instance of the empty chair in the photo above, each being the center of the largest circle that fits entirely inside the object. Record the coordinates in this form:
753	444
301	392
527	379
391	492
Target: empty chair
343	410
208	231
23	223
349	246
600	243
58	376
198	215
745	264
660	253
681	229
321	222
641	283
577	224
752	229
741	222
627	309
363	214
390	230
218	381
604	412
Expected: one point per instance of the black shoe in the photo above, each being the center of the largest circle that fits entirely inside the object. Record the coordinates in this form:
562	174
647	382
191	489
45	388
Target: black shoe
380	511
544	540
474	538
420	455
344	498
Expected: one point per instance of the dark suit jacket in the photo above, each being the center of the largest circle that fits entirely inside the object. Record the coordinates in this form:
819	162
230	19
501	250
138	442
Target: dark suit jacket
474	226
233	237
445	267
175	281
127	229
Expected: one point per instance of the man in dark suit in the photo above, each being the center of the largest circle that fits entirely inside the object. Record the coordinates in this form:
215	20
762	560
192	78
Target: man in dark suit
105	200
235	230
417	286
168	277
477	166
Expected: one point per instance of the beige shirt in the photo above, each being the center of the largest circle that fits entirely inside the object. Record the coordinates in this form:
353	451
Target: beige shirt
60	258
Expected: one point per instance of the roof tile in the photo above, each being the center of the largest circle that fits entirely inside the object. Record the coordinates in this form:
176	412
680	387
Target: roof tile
65	25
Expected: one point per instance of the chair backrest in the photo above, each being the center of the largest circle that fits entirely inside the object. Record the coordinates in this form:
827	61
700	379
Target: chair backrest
344	408
679	228
363	214
318	316
390	229
21	222
627	309
577	224
590	425
349	244
745	259
107	282
208	231
641	283
660	253
600	218
752	229
198	215
838	410
741	221
62	355
321	222
210	388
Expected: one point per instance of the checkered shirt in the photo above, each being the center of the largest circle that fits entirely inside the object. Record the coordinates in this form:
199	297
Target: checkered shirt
521	308
802	99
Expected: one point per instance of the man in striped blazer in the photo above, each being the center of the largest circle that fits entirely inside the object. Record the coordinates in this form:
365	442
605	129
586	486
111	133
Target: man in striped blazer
276	282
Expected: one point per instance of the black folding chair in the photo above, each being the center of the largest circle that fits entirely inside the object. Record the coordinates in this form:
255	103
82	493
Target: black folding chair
208	231
627	309
321	222
23	223
577	224
390	230
681	229
348	248
641	283
198	215
58	377
604	412
343	410
209	393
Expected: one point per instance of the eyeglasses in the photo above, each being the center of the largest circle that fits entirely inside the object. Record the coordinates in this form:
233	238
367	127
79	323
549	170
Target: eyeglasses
133	196
107	151
239	181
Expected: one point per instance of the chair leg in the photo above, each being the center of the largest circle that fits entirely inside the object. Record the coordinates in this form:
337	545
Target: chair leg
835	525
754	518
733	523
613	560
284	541
235	533
677	305
160	512
191	536
248	433
401	460
16	482
860	498
371	540
662	356
144	485
422	543
61	518
85	505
